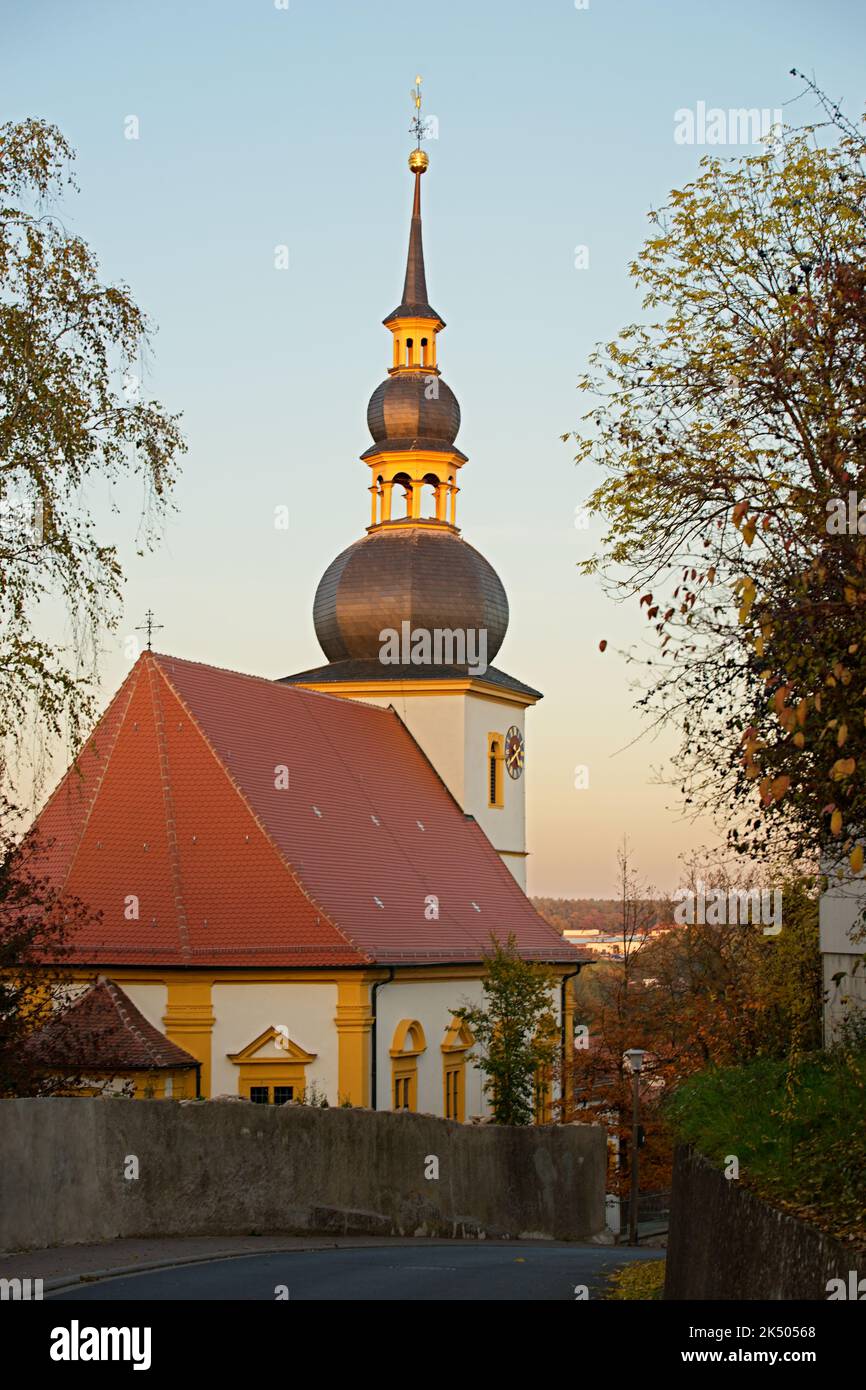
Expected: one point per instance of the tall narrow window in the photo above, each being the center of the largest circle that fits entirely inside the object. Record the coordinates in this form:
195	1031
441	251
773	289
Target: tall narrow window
407	1045
455	1046
423	352
495	766
409	345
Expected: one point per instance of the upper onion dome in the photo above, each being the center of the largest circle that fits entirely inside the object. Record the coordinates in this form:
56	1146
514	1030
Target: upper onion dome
402	408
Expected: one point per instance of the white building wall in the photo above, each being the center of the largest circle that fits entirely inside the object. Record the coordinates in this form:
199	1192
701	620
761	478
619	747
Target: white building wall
505	826
149	999
244	1011
431	1002
841	947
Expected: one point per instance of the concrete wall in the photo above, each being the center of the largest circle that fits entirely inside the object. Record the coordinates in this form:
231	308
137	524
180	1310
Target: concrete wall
726	1243
233	1168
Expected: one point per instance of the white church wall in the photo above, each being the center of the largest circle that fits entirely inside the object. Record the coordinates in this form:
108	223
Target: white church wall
244	1011
150	999
431	1002
504	826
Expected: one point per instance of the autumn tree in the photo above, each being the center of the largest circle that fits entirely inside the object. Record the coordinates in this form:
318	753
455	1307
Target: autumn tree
37	924
706	994
731	427
610	1017
71	414
515	1031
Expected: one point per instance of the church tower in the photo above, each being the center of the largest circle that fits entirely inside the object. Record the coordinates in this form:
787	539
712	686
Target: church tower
411	616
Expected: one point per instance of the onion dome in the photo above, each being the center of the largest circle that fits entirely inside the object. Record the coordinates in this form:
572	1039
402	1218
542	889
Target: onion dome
405	413
422	575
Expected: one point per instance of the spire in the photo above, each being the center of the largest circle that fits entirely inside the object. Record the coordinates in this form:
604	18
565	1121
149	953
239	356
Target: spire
415	284
414	303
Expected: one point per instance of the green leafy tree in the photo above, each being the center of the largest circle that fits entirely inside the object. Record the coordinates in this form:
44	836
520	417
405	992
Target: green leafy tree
731	428
515	1029
71	415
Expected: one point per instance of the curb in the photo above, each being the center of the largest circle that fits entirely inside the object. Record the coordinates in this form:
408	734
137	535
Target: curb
97	1276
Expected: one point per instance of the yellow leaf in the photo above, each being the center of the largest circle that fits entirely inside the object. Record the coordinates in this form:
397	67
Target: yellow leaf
842	735
779	787
856	859
843	767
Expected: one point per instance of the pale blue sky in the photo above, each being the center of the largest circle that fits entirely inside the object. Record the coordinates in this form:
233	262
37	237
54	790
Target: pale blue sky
261	126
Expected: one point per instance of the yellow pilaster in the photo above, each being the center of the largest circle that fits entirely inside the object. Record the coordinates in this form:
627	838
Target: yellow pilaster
189	1020
354	1021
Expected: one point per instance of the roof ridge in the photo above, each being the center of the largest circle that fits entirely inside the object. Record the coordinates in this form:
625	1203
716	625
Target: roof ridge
290	869
168	811
273	683
114	992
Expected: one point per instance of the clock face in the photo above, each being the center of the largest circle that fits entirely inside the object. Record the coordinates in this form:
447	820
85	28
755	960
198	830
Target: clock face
514	751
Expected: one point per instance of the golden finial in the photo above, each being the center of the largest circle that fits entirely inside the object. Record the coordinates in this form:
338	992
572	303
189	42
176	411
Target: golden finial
418	159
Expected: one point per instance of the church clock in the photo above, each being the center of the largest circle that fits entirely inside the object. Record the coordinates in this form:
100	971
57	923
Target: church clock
514	755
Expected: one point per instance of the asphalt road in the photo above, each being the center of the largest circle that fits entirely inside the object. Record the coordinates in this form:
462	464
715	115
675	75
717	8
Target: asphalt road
460	1271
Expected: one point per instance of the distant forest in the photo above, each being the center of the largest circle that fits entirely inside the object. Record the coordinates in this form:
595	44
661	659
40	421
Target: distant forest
581	914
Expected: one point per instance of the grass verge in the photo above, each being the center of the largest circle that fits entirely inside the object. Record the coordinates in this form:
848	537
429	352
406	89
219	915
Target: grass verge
798	1130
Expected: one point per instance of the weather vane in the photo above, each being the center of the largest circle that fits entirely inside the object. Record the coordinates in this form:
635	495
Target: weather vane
418	160
417	126
149	626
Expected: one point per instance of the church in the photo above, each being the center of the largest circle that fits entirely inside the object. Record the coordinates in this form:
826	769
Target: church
292	883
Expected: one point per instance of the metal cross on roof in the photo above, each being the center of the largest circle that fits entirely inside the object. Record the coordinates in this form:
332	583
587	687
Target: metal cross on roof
149	626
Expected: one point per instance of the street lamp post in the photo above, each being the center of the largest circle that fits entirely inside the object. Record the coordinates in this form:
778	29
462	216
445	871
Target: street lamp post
634	1056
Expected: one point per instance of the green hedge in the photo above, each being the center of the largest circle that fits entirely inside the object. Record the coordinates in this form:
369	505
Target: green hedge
798	1130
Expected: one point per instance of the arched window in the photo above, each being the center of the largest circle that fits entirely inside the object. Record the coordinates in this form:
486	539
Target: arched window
405	482
455	1046
423	352
409	346
495	766
429	506
407	1045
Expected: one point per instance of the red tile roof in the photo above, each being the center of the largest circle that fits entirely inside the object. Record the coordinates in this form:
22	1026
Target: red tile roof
102	1030
174	824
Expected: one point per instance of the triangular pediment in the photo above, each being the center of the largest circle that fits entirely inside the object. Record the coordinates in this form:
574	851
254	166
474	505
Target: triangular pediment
274	1045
